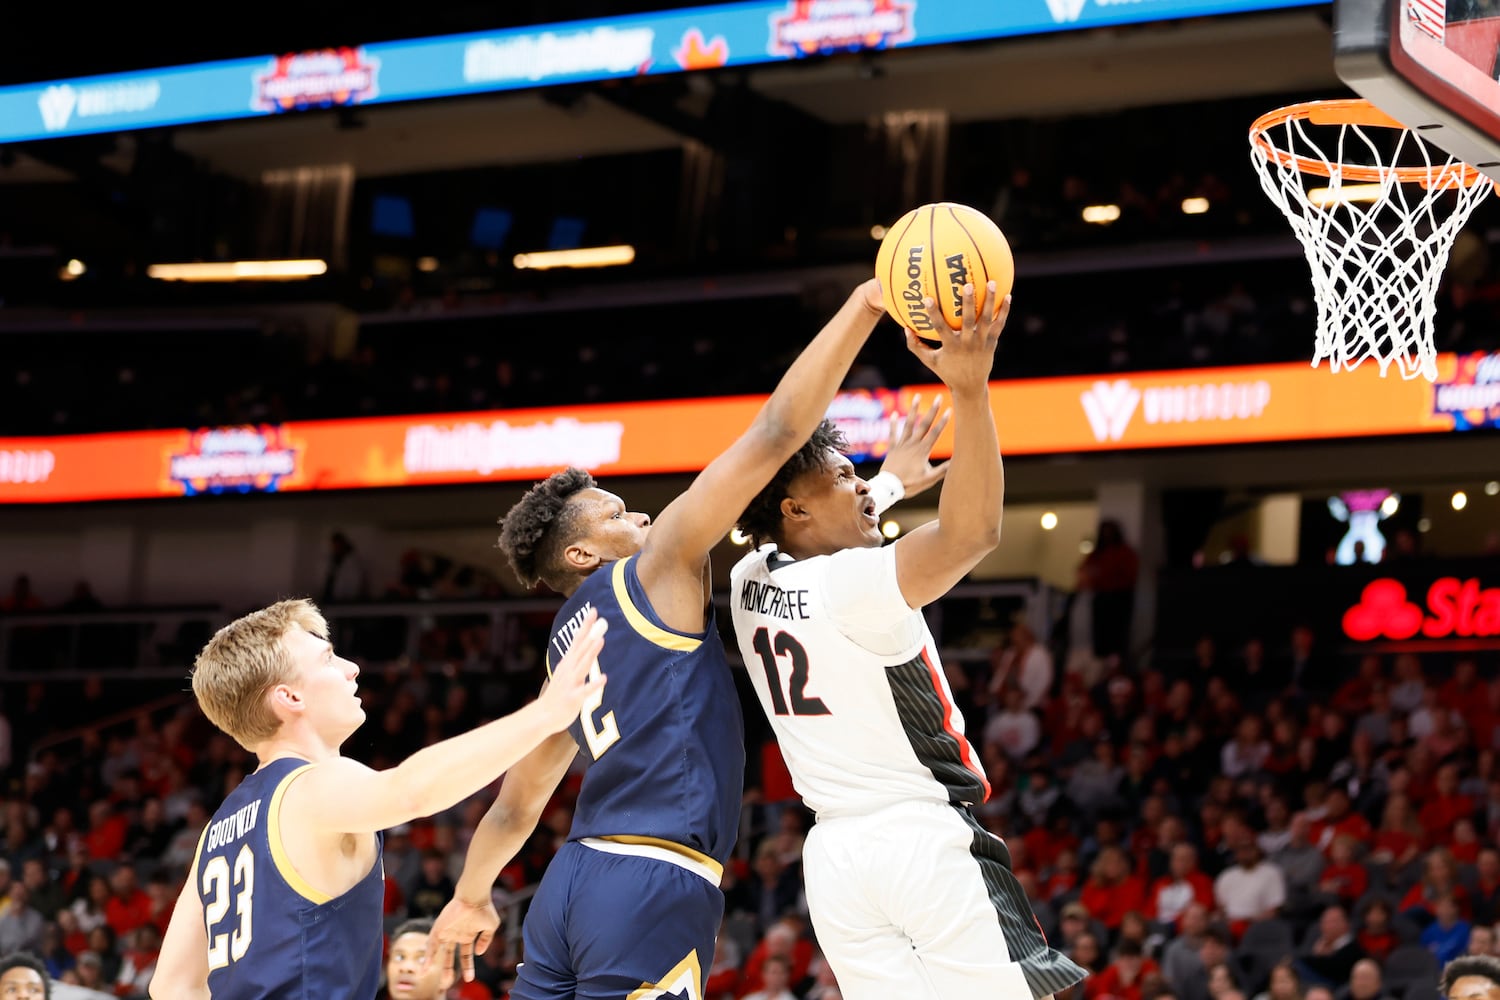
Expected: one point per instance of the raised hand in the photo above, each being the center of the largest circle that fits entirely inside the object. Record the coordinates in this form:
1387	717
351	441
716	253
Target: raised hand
965	357
912	439
577	677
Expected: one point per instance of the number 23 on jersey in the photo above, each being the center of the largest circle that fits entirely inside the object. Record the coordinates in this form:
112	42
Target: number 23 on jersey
220	883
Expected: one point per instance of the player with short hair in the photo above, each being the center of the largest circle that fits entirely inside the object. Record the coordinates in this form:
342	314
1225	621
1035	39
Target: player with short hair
23	974
659	809
407	975
286	891
1471	977
909	894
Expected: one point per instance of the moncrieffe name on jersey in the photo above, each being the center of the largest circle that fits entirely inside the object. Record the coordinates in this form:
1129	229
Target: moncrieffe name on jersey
770	600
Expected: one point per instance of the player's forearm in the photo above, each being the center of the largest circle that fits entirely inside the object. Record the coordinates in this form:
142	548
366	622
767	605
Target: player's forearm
801	398
498	838
973	497
444	774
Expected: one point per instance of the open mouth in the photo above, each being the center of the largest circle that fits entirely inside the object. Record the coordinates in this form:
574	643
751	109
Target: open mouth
869	512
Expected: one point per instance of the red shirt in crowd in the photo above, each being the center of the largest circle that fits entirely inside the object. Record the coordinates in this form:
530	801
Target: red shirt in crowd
1110	903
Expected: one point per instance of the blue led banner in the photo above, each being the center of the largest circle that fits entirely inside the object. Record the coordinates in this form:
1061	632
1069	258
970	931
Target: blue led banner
738	34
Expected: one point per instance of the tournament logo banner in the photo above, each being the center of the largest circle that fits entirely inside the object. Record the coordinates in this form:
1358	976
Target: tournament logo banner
824	27
1471	395
322	78
250	459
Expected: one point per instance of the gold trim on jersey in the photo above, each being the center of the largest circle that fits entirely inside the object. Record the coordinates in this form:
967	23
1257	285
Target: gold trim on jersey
685	975
283	864
680	850
646	628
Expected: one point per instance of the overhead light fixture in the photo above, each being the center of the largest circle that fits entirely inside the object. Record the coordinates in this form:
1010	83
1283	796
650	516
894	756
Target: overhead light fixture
1101	215
542	260
427	264
738	537
1491	488
890	529
239	270
1460	500
1049	521
1194	206
72	270
1344	194
877	232
1390	505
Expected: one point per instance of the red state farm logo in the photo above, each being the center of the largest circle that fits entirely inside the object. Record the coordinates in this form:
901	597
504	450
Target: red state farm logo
1454	608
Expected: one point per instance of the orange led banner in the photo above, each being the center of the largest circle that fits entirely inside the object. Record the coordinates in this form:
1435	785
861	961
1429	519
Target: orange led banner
1176	409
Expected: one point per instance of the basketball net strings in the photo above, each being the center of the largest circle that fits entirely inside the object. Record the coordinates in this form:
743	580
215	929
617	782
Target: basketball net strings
1376	266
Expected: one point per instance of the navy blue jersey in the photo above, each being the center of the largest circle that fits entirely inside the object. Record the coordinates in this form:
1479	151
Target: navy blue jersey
665	739
271	936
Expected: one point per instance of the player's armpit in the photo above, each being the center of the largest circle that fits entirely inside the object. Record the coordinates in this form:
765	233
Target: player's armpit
182	966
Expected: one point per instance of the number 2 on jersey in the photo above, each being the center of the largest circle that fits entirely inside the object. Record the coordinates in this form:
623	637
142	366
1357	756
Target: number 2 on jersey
606	734
229	946
770	652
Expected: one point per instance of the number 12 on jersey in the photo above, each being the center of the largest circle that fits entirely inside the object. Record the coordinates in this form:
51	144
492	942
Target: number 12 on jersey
771	651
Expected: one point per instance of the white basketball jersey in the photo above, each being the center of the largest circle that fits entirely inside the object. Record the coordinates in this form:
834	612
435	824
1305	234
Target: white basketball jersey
850	679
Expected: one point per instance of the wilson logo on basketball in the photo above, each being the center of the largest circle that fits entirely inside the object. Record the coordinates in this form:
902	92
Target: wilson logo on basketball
1454	608
916	313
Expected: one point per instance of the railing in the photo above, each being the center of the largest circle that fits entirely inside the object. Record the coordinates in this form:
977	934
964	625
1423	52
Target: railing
161	643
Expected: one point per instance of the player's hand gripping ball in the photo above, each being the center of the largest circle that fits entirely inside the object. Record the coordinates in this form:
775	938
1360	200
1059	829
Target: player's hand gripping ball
933	251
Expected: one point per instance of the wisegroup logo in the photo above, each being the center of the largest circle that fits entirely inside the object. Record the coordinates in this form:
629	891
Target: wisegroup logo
1065	11
59	102
1110	405
1454	608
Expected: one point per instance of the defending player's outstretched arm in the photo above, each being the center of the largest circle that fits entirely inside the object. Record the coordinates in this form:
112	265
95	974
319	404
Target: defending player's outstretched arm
469	920
688	529
934	557
345	796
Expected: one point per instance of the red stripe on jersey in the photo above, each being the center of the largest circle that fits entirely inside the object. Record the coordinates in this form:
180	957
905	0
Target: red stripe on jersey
965	751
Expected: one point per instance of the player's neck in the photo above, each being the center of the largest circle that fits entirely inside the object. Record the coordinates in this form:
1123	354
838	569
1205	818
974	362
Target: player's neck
301	743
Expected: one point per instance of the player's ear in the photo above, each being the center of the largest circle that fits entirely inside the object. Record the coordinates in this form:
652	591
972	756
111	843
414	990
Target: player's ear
285	700
791	510
578	558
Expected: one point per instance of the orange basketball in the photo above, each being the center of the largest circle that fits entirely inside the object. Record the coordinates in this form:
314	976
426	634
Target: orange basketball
934	251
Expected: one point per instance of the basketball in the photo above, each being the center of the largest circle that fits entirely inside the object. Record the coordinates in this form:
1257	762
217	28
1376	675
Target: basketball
934	251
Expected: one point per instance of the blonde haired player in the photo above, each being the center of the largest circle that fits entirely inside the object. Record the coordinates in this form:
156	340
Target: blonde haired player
285	895
909	895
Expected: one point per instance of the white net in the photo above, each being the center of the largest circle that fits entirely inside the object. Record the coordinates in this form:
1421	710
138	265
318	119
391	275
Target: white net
1377	210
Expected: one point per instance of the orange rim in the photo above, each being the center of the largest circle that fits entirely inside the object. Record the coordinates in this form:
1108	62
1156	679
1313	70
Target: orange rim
1349	112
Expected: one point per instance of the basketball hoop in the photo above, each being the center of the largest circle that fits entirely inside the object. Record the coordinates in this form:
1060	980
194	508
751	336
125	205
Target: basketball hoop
1378	236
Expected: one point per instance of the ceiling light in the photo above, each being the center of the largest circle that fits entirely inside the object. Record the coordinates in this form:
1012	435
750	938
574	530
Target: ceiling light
541	260
239	270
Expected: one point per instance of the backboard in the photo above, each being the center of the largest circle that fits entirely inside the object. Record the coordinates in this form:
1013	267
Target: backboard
1431	65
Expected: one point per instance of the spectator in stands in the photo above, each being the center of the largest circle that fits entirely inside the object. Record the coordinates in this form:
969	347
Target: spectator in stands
776	975
404	978
784	942
1365	983
1024	663
1245	754
1121	978
46	894
21	926
128	907
1252	889
1284	982
1344	879
1015	729
1331	955
1447	937
1301	865
1112	888
1108	576
722	979
1376	937
1439	879
138	962
21	599
1184	884
774	886
345	576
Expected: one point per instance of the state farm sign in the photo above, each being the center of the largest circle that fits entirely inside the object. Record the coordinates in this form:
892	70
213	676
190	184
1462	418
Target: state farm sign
1454	608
